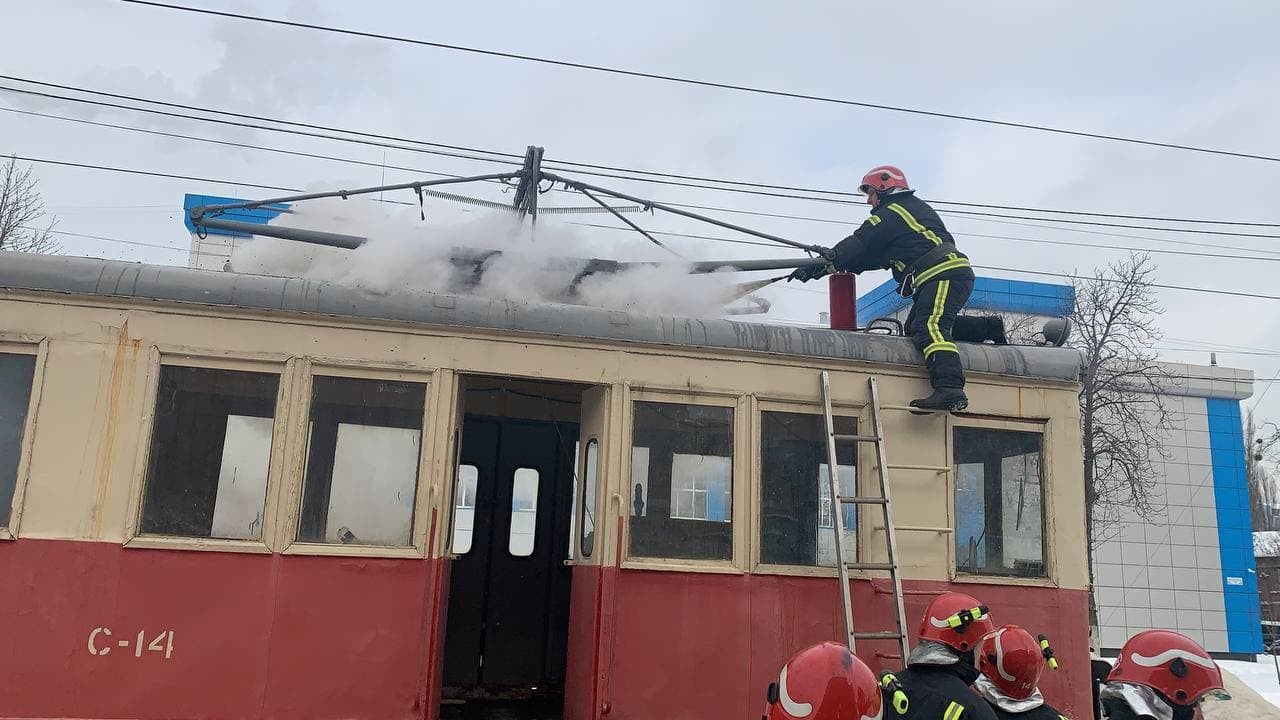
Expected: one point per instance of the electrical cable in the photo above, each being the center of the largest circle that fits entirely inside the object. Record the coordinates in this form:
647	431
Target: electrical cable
702	83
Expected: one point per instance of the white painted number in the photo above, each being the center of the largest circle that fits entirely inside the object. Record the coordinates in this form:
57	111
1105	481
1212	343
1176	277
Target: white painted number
98	644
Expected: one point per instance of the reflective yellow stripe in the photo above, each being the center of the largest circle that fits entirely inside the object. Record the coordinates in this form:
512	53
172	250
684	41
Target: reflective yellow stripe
941	267
900	265
939	303
874	220
940	347
915	224
954	711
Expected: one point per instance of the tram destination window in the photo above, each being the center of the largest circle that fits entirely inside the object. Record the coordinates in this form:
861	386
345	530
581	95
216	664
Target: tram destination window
362	461
797	527
17	372
999	502
682	482
210	452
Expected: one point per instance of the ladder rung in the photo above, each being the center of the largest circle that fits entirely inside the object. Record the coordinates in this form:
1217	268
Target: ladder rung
871	566
934	468
857	500
877	636
858	438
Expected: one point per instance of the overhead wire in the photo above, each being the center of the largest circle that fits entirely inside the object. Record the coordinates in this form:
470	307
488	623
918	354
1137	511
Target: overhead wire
369	163
699	82
775	190
149	173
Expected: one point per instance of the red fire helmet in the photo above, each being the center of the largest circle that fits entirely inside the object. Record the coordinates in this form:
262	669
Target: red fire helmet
880	179
824	682
956	620
1013	660
1168	662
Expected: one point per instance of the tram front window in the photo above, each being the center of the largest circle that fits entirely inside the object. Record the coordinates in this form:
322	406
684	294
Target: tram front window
999	502
682	482
210	450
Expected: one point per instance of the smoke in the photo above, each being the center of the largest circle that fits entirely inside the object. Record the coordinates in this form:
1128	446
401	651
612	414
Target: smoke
517	262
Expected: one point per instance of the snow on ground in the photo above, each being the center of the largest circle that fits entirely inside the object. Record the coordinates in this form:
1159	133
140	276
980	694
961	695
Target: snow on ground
1240	678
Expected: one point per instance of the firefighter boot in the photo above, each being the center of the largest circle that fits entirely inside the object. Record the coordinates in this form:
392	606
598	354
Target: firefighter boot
944	399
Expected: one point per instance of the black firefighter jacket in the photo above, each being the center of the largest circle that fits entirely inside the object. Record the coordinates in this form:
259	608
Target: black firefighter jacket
904	235
942	692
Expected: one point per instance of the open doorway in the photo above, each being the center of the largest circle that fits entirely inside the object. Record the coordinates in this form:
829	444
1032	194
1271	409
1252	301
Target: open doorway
508	616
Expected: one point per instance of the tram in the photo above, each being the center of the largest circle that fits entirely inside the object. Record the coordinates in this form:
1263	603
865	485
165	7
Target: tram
237	496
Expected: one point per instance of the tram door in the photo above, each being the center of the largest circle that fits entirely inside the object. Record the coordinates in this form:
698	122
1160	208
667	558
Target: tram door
508	609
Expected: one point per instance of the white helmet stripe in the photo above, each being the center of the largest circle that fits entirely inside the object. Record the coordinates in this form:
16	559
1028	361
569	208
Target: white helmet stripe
793	708
1173	654
1000	658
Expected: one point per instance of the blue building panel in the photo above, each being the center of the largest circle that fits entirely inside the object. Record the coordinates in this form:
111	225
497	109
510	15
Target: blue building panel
1235	533
990	294
259	216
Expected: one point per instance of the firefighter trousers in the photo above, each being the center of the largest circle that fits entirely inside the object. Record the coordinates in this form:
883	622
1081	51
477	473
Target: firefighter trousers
931	321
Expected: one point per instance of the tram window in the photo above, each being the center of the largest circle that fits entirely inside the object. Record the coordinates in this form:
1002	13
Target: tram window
464	508
210	450
797	527
362	461
524	512
590	472
682	478
17	372
999	502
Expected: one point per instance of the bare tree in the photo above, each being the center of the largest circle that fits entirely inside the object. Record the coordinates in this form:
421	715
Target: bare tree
1124	418
1262	446
22	226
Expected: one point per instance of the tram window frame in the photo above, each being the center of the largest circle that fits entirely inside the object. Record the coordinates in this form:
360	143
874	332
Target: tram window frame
285	369
848	420
38	349
589	513
432	422
990	571
740	408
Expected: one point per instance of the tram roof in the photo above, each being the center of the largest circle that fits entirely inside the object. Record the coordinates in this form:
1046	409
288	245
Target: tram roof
164	283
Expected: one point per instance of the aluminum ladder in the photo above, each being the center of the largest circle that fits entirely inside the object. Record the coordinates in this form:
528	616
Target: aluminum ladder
838	502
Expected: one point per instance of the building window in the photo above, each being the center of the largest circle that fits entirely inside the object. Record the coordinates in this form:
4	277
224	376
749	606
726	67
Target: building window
524	512
17	373
682	482
999	503
464	508
362	461
797	527
210	451
590	473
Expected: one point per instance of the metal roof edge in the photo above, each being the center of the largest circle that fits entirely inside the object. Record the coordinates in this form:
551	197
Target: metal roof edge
111	278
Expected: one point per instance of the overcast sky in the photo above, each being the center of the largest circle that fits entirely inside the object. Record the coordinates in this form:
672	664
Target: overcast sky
1180	72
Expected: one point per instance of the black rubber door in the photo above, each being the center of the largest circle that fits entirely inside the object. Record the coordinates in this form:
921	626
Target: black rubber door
509	593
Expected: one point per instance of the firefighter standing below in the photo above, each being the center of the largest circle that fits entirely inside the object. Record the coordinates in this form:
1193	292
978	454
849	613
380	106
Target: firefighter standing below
941	669
906	236
1159	675
1011	662
825	682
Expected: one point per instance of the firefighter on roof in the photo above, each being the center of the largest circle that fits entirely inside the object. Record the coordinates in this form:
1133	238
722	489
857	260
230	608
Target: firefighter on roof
906	236
825	682
1160	675
941	669
1011	662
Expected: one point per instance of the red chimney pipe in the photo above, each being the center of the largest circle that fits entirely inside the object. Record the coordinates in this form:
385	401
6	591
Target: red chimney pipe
843	294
